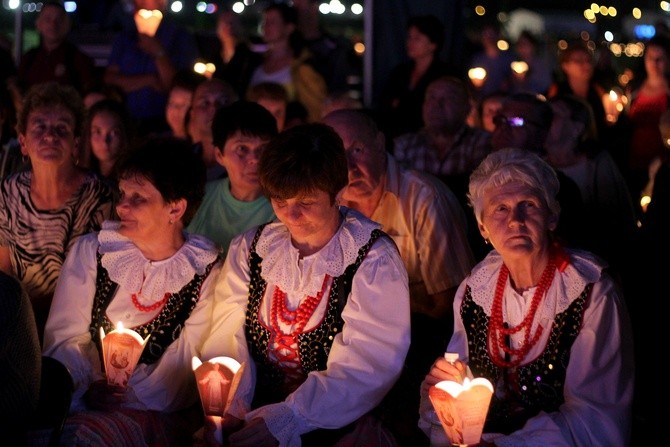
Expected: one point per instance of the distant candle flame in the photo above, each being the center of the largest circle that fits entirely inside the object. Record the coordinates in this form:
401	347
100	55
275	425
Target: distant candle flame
519	67
477	75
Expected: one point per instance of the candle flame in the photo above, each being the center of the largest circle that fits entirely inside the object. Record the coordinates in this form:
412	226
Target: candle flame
149	13
519	67
477	73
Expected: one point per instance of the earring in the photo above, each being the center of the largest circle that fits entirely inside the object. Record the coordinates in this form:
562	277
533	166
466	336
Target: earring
25	159
487	242
170	221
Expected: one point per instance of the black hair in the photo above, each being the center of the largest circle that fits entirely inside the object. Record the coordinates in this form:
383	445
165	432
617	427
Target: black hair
171	165
430	26
247	117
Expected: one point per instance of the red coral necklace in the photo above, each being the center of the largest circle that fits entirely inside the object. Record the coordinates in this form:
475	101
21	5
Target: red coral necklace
298	317
498	333
142	308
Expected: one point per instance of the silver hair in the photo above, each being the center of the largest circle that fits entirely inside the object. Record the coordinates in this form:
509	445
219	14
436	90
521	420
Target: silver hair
513	165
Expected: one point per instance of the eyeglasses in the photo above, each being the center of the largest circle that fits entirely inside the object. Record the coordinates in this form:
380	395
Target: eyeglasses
513	121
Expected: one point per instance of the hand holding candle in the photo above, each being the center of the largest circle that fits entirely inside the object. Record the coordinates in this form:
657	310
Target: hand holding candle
462	408
217	381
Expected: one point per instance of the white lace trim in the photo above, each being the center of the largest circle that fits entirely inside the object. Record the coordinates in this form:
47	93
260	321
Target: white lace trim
123	261
282	423
280	257
583	269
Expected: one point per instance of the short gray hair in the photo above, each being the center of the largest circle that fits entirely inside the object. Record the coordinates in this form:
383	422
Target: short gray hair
512	165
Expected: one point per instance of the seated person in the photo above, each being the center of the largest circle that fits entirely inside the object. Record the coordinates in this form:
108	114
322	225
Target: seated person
209	96
236	203
427	223
272	96
57	58
545	324
147	273
20	361
316	303
45	208
179	102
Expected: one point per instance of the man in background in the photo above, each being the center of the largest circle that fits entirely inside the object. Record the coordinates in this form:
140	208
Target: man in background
56	58
144	66
427	223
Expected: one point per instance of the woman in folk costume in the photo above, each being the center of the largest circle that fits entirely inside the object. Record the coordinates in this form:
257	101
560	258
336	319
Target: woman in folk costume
547	325
316	303
146	272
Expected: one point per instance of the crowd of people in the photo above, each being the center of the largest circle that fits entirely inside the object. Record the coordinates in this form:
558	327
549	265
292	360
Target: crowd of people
337	250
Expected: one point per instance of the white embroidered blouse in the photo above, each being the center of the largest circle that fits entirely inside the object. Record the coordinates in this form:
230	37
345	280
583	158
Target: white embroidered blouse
166	385
365	358
599	377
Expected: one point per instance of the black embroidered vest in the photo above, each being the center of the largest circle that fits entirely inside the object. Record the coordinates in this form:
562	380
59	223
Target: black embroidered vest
164	328
314	345
522	392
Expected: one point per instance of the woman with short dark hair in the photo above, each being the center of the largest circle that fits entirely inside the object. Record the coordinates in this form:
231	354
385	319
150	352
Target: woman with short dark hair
316	302
144	271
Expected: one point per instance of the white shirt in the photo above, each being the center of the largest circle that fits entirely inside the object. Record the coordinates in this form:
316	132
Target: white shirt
166	385
599	379
365	359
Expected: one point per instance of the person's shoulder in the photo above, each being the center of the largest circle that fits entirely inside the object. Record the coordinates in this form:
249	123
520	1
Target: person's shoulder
86	245
427	182
98	184
587	265
10	295
409	139
19	179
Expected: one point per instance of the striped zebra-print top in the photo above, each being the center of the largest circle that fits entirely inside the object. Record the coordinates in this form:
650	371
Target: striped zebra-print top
38	240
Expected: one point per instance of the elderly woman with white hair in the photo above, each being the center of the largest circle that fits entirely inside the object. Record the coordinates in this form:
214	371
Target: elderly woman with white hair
545	324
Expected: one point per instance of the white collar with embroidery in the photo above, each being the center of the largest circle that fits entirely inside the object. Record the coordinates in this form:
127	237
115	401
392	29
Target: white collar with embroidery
281	263
582	269
124	262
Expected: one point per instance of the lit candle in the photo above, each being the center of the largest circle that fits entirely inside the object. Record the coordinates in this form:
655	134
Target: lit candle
147	21
217	381
519	67
477	76
206	69
614	102
462	408
121	350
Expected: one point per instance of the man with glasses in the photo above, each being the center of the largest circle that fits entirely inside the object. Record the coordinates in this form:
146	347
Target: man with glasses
524	122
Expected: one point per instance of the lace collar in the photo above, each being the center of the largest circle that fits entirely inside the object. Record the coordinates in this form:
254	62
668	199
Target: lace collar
124	261
584	268
281	263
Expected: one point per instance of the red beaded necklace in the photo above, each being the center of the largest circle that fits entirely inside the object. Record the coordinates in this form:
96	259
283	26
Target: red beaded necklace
284	345
153	306
298	317
498	333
